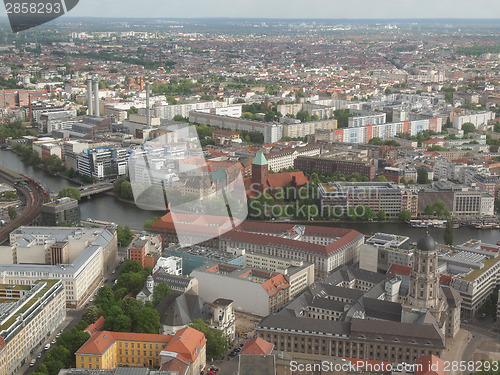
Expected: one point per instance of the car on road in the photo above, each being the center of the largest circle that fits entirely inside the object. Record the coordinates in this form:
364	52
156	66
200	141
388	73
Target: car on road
47	347
32	363
39	356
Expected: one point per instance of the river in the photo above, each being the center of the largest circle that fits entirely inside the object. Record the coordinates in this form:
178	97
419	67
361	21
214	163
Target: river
109	208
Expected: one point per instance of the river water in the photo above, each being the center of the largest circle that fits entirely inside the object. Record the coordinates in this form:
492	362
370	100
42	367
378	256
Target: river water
109	208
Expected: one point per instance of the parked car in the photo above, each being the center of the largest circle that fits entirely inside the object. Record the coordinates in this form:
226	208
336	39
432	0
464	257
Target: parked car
32	363
47	347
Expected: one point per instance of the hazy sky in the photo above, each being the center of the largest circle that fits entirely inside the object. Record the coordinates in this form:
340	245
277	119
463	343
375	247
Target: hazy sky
288	8
291	8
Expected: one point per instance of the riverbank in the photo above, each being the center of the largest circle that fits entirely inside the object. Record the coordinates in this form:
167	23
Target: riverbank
108	207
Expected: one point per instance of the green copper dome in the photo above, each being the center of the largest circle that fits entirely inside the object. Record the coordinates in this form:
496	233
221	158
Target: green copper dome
260	159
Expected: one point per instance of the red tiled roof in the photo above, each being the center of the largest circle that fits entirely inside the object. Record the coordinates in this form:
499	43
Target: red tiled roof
176	366
97	344
433	140
191	223
399	269
277	180
94	327
445	280
257	346
255	233
187	342
275	284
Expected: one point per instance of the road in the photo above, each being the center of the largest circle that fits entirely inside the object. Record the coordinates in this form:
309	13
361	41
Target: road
73	317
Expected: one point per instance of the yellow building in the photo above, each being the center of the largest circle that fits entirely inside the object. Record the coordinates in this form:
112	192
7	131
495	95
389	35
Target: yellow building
107	350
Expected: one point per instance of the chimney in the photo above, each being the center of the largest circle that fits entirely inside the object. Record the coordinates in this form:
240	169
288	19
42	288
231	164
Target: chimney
96	98
89	97
148	112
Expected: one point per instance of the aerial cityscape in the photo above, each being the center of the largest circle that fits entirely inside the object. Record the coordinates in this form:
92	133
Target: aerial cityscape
298	192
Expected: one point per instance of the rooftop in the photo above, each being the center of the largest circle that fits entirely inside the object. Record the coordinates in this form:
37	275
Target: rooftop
474	274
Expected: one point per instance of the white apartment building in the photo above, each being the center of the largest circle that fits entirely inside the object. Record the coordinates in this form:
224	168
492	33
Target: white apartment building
477	118
285	158
168	112
171	265
28	319
77	256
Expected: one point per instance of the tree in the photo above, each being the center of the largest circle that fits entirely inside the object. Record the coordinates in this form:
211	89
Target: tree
422	176
440	208
429	210
217	341
381	216
180	118
448	233
122	323
124	235
12	212
381	179
149	322
10	196
131	266
368	213
149	223
468	127
160	291
70	191
303	116
91	314
404	215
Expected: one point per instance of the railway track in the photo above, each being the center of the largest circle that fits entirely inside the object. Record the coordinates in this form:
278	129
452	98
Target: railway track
33	195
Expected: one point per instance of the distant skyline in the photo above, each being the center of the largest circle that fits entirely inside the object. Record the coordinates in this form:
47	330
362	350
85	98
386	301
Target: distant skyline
326	9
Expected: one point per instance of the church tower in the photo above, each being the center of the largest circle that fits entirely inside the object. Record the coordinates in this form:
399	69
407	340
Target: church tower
259	172
424	277
150	284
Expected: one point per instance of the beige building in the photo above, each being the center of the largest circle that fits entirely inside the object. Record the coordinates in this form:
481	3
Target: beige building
87	252
325	247
304	129
298	273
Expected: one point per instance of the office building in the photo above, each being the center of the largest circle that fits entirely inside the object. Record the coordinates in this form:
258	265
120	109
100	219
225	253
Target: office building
379	196
325	247
346	163
62	210
269	291
34	252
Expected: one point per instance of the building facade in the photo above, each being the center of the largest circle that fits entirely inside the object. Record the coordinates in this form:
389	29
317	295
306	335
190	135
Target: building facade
28	321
